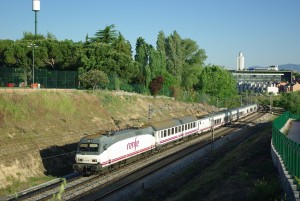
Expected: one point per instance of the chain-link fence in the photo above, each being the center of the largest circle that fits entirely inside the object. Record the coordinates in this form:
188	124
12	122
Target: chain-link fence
11	76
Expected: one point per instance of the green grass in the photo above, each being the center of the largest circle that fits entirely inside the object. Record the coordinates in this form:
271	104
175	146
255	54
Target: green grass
17	185
15	107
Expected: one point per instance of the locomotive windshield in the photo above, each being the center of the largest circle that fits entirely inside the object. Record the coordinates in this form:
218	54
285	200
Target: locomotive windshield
88	147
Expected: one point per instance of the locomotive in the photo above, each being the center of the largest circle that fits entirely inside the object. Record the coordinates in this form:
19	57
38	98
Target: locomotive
99	153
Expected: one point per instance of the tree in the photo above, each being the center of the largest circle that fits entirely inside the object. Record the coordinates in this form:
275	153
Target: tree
160	43
190	76
108	35
28	36
174	55
218	83
291	102
142	59
18	54
93	78
193	63
103	57
4	45
297	76
122	46
156	85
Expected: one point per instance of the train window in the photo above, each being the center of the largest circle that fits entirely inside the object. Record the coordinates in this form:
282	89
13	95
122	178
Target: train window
169	132
173	131
89	147
179	128
182	127
165	133
161	134
194	124
190	126
176	129
186	126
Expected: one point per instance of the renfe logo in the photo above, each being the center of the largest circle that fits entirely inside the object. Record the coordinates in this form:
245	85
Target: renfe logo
132	145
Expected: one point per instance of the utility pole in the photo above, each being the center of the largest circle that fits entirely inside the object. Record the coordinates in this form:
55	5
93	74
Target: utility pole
271	102
150	110
33	46
241	101
212	132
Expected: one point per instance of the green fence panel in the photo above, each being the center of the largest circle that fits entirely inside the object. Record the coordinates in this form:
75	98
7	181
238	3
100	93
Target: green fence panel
288	149
45	77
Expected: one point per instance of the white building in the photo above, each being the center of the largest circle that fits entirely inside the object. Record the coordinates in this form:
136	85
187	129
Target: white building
272	89
240	61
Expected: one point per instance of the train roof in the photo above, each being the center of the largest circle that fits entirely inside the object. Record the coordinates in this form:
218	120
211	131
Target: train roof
165	124
187	119
115	136
172	123
225	111
207	116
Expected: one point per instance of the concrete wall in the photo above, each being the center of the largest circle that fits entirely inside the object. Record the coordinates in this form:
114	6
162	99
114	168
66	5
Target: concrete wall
287	182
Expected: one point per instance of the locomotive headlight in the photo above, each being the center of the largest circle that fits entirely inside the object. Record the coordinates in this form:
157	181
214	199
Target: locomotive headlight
94	160
79	160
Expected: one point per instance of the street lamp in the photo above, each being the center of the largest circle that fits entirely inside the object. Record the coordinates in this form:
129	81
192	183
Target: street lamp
33	46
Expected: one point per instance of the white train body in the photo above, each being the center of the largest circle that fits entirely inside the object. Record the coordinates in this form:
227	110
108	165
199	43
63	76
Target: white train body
127	148
99	152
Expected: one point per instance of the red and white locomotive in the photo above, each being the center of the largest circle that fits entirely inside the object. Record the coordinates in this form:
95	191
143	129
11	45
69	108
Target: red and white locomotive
100	152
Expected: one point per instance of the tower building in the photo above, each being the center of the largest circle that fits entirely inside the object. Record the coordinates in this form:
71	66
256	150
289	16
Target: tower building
36	6
240	61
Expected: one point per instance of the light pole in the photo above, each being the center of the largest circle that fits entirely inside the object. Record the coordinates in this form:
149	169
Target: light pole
33	47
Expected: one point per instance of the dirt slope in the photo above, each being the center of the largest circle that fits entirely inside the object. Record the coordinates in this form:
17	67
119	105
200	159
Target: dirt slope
39	131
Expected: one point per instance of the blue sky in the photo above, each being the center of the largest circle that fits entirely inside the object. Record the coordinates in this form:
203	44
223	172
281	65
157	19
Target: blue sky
266	31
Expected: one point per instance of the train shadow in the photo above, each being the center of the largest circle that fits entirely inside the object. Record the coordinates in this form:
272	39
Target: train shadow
58	160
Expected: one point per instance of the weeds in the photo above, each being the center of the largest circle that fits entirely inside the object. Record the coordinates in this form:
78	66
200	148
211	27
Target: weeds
58	195
265	190
297	180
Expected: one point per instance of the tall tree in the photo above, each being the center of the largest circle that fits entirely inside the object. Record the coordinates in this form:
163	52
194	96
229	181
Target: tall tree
108	35
142	59
193	63
160	43
159	63
121	45
174	54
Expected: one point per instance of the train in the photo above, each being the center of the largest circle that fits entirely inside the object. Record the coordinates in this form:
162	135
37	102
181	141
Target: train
101	152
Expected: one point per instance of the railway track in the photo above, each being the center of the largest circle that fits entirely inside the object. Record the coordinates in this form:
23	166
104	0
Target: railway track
79	186
108	190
